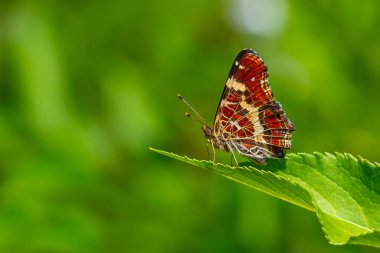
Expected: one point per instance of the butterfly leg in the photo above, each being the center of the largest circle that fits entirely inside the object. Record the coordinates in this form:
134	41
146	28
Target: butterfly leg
213	152
208	151
232	154
260	160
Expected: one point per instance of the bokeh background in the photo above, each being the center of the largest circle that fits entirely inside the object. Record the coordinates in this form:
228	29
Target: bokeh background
87	86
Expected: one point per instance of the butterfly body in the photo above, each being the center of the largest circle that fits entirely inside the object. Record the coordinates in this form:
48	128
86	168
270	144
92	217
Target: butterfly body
249	119
216	141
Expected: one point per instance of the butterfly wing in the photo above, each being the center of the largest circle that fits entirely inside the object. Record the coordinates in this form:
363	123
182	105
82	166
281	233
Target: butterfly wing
248	117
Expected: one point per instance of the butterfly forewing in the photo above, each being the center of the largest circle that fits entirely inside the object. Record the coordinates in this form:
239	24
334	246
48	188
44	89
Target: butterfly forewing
248	118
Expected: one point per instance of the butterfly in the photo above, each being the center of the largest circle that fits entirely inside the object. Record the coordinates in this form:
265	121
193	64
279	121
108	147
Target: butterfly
248	119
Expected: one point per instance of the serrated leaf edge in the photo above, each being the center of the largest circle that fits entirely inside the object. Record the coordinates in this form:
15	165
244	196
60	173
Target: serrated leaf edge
299	155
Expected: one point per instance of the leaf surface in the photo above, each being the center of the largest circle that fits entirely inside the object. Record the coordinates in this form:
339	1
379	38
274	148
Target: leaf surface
343	190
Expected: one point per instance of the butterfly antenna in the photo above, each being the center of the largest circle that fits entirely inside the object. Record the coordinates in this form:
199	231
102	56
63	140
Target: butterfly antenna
199	118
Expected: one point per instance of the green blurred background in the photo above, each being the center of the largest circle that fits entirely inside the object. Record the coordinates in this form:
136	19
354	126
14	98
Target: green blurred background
87	86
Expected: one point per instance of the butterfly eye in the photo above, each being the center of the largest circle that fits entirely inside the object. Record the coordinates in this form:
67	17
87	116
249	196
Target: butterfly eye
280	154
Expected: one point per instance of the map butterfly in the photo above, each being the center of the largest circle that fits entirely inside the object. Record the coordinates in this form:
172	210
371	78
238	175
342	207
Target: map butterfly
249	119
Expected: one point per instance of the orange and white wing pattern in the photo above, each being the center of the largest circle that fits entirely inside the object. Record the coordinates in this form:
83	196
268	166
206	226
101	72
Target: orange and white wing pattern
248	118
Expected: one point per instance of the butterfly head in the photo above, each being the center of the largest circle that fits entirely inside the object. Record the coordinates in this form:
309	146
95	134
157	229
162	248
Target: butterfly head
216	141
207	131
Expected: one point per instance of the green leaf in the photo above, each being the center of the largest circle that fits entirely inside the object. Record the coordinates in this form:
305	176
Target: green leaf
344	191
